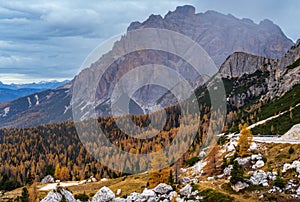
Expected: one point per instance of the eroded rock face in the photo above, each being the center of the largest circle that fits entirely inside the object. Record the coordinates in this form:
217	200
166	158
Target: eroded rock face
104	195
243	63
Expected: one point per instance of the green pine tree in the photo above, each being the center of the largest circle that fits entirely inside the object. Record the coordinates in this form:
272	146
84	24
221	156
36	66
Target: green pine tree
237	173
25	195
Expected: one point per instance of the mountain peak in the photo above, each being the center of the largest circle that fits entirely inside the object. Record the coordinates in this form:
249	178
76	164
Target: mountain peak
181	11
266	22
186	10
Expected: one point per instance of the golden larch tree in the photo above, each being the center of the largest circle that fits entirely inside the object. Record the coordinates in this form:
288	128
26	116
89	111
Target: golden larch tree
245	141
158	175
213	161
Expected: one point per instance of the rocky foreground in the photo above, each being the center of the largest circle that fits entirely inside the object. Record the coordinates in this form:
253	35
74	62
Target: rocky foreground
161	192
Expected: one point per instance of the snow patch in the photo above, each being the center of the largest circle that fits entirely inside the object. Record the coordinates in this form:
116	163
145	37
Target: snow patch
29	102
37	100
6	111
67	108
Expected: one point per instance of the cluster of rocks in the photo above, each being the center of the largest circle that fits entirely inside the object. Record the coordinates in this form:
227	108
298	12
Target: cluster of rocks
58	194
91	179
161	192
255	160
295	165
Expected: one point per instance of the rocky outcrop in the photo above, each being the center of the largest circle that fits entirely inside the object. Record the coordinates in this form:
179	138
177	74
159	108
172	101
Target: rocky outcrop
283	78
294	165
259	177
227	170
243	63
57	195
239	186
258	164
162	188
186	191
292	134
291	56
47	179
104	195
255	77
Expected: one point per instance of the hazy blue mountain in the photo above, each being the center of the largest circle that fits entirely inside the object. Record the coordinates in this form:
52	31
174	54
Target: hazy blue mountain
9	92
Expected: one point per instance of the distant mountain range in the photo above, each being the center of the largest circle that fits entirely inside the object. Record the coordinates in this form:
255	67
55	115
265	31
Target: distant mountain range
9	92
243	45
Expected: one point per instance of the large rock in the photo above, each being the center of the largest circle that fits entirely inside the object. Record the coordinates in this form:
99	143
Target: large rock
47	179
148	193
256	157
185	180
271	175
259	177
227	170
294	165
135	197
163	188
119	191
243	161
239	186
104	195
231	146
298	191
57	195
258	164
120	200
172	194
186	191
253	146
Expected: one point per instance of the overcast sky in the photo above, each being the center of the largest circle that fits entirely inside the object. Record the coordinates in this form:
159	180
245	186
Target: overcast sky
45	40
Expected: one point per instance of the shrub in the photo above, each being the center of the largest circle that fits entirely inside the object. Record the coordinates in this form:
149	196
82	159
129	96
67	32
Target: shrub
211	195
82	197
291	150
279	182
192	161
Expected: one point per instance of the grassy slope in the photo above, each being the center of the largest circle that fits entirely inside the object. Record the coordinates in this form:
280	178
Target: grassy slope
283	123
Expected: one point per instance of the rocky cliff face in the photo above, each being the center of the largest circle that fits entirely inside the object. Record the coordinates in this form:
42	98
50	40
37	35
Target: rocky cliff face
291	56
243	63
221	35
285	75
253	76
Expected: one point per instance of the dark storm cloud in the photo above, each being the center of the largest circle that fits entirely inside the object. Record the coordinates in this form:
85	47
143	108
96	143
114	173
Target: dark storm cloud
50	39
